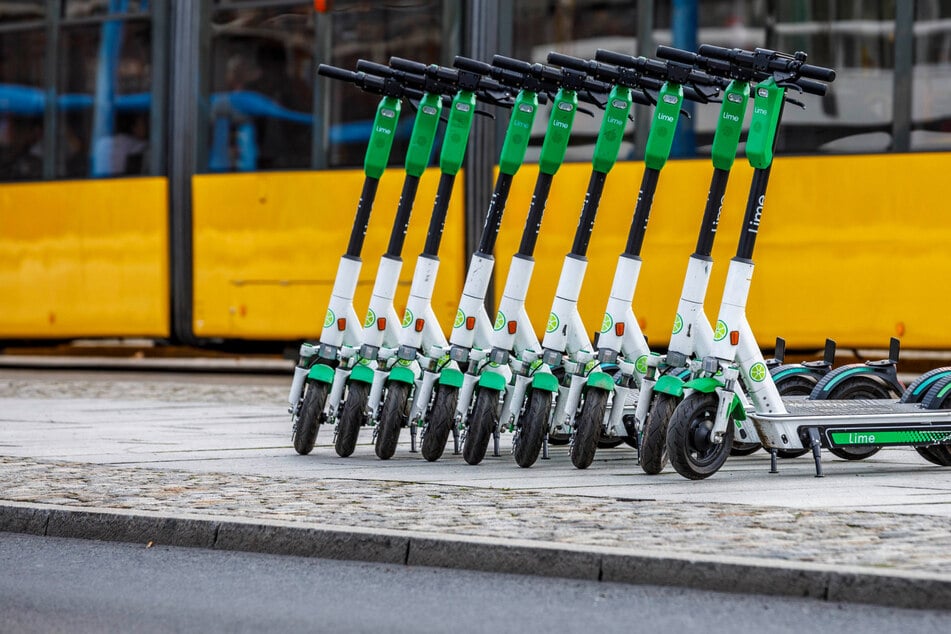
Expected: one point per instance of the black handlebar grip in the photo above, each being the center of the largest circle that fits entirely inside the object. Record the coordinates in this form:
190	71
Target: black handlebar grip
408	65
472	65
716	51
567	61
817	72
510	63
811	87
336	73
372	83
366	66
677	55
618	59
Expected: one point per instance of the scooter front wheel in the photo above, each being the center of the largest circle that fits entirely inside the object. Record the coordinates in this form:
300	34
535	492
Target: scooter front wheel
351	418
439	421
393	418
654	438
588	427
308	422
482	421
693	451
532	426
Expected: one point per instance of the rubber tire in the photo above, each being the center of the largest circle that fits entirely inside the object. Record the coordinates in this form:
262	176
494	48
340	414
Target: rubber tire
795	385
610	442
654	437
482	422
588	427
439	421
860	387
392	419
695	412
938	454
352	418
533	425
740	448
308	422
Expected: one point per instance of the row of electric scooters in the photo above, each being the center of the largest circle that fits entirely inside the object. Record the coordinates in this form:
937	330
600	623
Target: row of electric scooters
711	395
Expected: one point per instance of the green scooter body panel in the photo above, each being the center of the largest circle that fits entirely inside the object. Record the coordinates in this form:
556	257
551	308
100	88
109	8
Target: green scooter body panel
402	374
670	384
322	373
611	134
545	381
362	374
663	126
451	377
519	132
562	119
492	381
423	135
461	114
381	137
726	138
767	108
601	380
705	384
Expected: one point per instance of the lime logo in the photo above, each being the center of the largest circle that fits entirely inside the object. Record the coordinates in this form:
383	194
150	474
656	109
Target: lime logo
407	318
460	319
758	372
329	319
553	323
678	323
641	364
371	317
607	322
720	332
404	363
499	321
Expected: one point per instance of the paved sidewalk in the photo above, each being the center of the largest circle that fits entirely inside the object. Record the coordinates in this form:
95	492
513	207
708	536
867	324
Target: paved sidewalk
219	447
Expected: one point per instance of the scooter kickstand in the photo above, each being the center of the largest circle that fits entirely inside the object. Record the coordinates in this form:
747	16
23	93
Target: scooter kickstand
816	445
412	438
772	461
496	437
455	441
545	448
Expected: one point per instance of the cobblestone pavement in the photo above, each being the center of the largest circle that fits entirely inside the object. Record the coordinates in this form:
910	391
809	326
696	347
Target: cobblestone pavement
877	539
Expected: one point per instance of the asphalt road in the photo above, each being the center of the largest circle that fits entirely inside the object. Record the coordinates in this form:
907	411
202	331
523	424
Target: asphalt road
59	585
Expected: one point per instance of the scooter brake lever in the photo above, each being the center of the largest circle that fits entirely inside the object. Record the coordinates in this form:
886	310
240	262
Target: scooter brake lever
651	97
591	98
796	102
485	113
590	113
685	114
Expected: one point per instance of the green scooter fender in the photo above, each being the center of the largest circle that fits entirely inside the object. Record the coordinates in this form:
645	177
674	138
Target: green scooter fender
670	384
545	381
321	373
600	380
362	374
402	374
451	377
708	385
492	381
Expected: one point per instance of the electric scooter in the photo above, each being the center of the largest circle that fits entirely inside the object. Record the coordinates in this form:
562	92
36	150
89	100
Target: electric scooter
323	368
701	428
422	360
513	340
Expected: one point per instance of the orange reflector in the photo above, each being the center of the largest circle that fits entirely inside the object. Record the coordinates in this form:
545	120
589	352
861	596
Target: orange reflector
734	337
342	323
619	329
419	325
512	327
470	323
381	323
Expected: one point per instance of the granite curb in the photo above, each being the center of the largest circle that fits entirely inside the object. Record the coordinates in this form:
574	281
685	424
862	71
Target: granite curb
904	589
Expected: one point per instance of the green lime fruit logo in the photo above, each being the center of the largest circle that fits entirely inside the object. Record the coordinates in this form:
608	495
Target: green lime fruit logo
607	322
678	323
499	321
460	319
553	323
758	372
329	319
407	318
720	332
371	317
641	364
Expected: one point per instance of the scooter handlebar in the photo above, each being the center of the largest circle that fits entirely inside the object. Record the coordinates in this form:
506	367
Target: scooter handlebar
409	66
678	55
340	74
768	60
472	65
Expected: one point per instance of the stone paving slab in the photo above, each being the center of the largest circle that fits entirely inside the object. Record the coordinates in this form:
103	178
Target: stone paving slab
196	449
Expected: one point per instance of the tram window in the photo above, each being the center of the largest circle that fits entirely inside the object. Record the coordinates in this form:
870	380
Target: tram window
21	105
260	87
931	82
88	8
104	82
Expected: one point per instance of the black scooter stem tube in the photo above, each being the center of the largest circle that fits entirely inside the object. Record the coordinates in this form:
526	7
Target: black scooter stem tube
589	211
535	212
642	212
437	221
711	213
362	219
403	212
493	218
754	211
